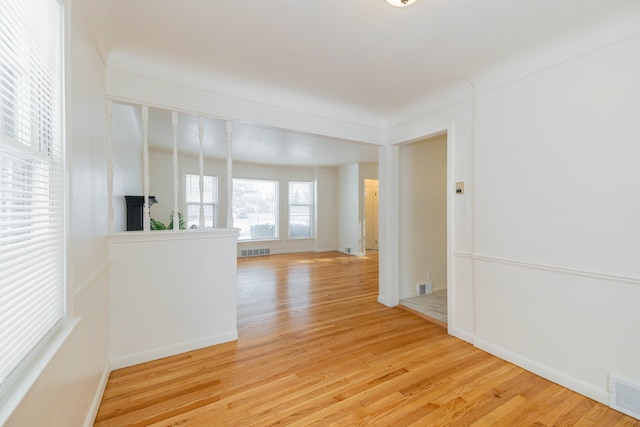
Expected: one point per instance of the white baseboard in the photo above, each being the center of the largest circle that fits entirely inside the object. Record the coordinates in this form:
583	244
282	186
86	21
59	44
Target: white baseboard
171	350
579	386
463	335
97	398
382	300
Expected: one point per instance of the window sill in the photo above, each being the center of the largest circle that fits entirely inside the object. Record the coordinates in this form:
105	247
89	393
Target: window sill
18	390
270	239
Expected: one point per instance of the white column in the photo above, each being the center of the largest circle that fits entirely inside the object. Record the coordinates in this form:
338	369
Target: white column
176	183
229	129
110	212
388	243
201	161
146	218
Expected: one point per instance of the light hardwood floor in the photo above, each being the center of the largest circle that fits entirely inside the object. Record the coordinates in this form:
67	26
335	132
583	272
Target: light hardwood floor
432	307
316	348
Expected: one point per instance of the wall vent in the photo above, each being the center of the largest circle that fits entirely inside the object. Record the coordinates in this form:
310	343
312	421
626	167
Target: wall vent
624	396
424	288
255	252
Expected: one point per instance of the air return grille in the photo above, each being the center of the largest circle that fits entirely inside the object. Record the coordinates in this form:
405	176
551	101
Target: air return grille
255	252
624	396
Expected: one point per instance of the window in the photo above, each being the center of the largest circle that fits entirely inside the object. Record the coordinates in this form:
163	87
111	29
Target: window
32	285
300	209
255	206
209	197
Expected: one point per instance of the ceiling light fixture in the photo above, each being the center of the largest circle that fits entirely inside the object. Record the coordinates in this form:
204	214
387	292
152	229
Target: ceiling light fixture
400	3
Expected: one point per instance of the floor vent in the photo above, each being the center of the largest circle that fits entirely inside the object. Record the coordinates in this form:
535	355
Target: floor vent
424	288
624	396
255	252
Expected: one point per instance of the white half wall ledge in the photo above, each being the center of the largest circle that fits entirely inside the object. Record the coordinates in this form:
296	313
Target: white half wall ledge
170	292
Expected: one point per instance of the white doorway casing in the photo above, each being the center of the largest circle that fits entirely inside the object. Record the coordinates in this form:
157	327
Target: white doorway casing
460	285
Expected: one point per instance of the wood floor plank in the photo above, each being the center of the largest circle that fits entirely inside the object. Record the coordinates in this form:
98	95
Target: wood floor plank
316	348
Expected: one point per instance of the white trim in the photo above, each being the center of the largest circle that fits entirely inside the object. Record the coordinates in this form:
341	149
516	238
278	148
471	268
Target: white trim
86	284
97	398
553	268
575	384
172	350
460	334
128	237
382	300
462	254
19	389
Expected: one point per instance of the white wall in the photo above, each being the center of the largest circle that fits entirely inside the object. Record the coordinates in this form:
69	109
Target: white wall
326	211
68	392
423	214
170	292
545	266
349	225
556	219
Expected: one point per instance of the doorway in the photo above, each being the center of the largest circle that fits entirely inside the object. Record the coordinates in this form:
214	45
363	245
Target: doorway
423	227
371	214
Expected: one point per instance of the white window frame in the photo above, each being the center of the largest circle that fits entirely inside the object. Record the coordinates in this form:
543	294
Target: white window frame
214	204
294	203
276	197
33	307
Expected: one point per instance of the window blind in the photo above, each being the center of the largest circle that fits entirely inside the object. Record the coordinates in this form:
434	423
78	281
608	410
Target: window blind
31	180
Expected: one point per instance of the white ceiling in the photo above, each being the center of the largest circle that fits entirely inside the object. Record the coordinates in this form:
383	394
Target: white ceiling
360	55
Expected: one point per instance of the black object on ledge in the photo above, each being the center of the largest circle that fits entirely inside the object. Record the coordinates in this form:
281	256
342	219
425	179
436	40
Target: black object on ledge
134	211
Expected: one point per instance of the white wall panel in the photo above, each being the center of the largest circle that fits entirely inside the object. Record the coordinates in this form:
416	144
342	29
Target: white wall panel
170	292
349	209
556	220
556	154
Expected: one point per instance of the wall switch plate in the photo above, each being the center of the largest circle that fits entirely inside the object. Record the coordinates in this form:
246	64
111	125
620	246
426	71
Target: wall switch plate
459	187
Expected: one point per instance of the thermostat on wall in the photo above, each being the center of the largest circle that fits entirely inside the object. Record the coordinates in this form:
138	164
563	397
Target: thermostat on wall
459	187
